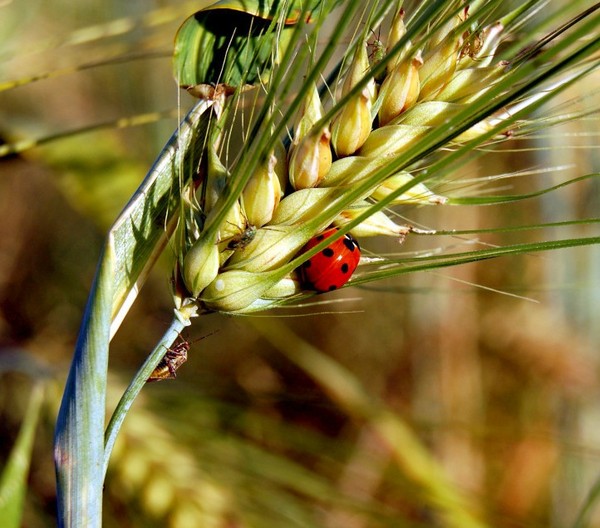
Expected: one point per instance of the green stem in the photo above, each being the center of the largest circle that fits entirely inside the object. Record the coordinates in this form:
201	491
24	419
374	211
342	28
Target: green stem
179	322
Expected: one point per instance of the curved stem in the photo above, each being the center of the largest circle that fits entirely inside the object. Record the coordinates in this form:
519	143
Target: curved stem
179	322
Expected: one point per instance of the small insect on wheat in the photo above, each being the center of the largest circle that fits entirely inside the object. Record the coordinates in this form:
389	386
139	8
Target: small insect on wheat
243	238
172	360
376	47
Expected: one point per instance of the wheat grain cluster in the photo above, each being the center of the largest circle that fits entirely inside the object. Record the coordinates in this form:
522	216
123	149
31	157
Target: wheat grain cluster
390	96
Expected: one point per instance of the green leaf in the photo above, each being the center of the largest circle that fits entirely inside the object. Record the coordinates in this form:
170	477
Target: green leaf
234	42
134	243
13	482
143	228
78	446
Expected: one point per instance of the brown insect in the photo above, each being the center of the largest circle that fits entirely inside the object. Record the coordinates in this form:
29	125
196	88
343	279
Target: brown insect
172	360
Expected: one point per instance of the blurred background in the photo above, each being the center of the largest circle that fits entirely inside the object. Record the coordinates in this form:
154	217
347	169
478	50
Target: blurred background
490	369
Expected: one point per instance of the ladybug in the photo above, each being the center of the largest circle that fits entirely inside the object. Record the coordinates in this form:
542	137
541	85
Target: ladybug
333	266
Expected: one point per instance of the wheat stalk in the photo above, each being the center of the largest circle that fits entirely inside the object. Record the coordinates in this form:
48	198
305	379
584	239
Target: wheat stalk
238	219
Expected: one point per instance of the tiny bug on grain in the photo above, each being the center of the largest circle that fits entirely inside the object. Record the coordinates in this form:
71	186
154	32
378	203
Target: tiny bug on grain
172	360
241	240
243	237
376	46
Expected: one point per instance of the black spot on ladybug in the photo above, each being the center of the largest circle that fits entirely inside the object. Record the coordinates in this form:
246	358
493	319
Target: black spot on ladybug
328	252
306	264
344	267
332	287
319	237
350	243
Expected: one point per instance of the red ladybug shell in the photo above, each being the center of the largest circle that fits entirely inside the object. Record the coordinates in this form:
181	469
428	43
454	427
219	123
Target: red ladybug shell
333	266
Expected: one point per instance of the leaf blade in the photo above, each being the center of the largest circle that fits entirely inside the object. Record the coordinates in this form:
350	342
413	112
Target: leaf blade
13	482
